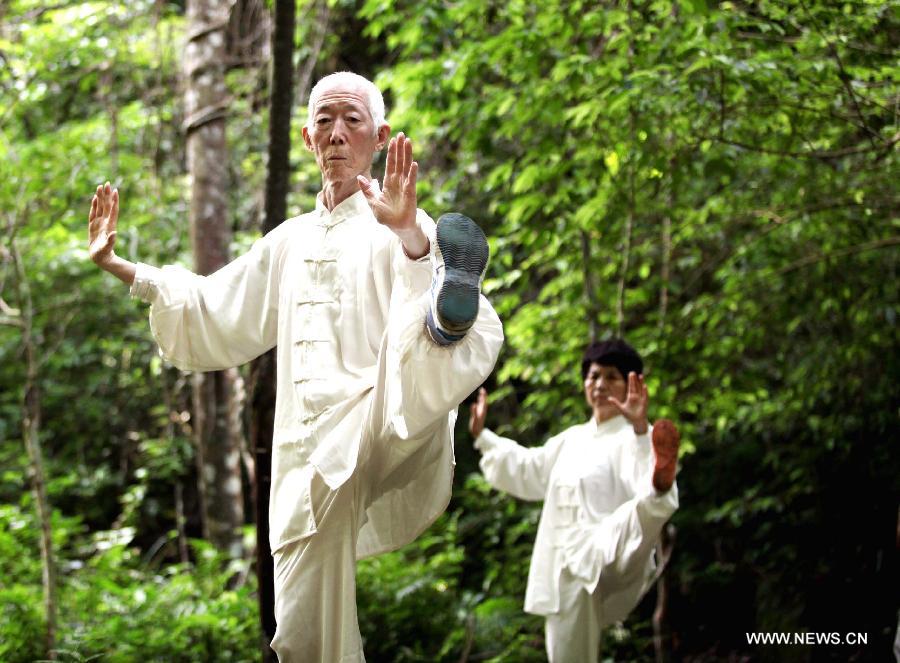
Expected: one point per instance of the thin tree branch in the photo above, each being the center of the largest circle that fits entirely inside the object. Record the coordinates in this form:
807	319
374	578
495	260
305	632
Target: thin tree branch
31	425
629	219
815	154
813	258
743	34
842	75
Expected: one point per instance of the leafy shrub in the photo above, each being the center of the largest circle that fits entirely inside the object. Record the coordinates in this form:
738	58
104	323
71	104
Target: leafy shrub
119	608
408	599
21	623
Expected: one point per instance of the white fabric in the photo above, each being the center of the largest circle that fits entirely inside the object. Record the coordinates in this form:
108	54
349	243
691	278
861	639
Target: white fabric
897	641
572	635
315	583
601	516
322	287
315	606
359	383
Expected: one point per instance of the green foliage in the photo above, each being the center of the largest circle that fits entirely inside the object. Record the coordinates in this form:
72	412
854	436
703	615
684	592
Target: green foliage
119	610
114	605
412	605
714	180
21	601
22	633
408	599
723	174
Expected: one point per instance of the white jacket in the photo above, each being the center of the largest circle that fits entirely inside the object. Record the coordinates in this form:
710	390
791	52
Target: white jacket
600	510
324	288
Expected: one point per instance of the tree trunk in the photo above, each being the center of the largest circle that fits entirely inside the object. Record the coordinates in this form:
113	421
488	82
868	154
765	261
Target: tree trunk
282	101
262	380
662	644
262	415
31	425
206	102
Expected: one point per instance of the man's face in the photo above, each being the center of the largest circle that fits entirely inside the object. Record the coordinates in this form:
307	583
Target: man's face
343	135
601	382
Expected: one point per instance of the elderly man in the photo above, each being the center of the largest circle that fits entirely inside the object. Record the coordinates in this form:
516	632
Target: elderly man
381	331
608	488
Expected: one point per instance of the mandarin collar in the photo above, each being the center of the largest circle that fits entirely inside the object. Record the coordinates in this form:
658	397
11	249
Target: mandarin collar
609	426
354	205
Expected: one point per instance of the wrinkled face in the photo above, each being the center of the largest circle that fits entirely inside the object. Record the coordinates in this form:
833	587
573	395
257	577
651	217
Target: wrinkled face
343	135
603	381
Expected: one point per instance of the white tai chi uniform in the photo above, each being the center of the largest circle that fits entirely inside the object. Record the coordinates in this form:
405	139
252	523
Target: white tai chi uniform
593	556
362	456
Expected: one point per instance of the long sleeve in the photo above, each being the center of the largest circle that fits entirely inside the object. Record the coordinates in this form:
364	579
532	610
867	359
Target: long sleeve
411	277
520	471
213	322
635	463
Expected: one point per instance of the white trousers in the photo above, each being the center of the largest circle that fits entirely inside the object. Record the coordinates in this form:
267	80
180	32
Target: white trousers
572	635
419	384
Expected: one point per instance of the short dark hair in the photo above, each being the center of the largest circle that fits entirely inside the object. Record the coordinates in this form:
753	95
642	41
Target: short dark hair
613	352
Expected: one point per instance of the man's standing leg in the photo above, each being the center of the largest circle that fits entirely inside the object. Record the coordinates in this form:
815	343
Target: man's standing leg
315	583
572	635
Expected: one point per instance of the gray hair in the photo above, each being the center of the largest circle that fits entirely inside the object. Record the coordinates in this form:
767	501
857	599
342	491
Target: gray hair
374	100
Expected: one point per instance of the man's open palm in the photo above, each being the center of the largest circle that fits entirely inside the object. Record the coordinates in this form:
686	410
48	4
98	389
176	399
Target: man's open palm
395	204
102	224
636	401
478	413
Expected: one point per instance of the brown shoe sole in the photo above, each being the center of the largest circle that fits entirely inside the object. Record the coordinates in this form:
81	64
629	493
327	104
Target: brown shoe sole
665	448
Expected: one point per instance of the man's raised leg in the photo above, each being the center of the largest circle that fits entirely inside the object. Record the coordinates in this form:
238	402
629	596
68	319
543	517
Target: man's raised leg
615	557
443	342
459	261
407	449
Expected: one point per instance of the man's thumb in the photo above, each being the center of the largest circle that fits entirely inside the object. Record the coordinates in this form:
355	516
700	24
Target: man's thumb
368	187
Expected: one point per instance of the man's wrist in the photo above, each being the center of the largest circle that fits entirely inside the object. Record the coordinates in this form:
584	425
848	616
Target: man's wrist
109	262
641	427
122	269
415	241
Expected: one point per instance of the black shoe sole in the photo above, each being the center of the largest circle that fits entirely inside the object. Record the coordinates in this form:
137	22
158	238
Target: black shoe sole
464	250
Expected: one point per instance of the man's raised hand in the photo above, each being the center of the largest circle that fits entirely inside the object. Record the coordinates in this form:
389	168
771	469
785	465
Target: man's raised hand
478	413
102	222
635	406
394	205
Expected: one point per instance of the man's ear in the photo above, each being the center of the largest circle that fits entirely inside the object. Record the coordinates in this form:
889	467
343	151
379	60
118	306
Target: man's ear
306	139
383	133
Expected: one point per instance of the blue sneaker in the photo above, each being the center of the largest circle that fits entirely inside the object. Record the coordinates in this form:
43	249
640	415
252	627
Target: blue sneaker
459	262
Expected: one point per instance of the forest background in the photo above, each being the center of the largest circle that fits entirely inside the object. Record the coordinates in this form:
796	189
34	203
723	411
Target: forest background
716	181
